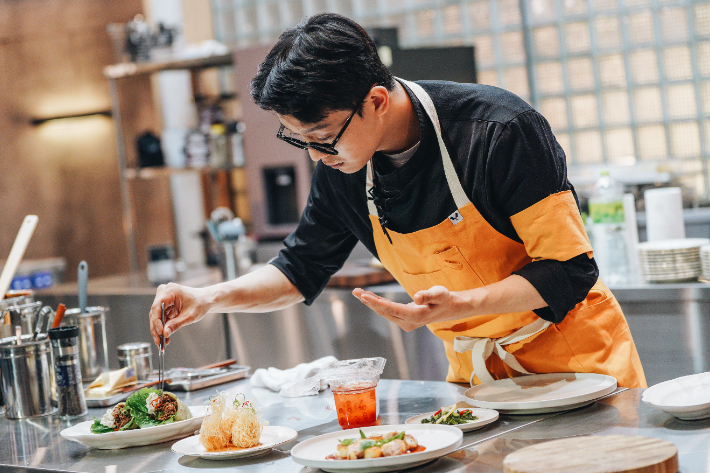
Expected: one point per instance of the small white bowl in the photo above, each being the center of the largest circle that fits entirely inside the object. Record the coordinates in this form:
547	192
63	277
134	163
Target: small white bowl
687	397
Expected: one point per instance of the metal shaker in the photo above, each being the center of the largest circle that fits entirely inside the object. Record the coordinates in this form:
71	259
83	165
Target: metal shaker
138	354
93	351
70	390
26	377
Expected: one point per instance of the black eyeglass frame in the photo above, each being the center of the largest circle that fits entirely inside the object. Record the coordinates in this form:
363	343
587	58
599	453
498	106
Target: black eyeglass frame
327	148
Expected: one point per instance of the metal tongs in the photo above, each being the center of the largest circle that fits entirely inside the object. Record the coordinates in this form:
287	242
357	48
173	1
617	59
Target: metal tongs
161	353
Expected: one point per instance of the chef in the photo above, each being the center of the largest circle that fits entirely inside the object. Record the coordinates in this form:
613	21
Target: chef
460	190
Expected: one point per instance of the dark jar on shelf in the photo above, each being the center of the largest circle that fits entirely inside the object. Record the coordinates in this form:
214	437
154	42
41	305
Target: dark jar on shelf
67	369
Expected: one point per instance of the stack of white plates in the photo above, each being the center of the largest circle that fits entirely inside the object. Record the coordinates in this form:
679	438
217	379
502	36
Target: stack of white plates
671	260
705	261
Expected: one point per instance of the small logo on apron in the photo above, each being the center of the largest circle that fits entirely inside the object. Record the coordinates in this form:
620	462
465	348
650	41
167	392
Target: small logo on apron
456	217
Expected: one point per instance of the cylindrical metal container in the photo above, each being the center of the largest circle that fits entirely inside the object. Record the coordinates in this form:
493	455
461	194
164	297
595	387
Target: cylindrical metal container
93	351
138	354
70	390
26	374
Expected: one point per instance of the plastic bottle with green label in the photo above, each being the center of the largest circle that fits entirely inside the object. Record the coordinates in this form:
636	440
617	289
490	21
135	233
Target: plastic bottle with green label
608	230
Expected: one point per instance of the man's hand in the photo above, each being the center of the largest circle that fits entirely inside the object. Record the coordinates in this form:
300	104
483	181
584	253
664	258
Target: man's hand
183	305
436	304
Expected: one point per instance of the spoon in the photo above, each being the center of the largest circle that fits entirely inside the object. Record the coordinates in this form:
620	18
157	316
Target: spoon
82	282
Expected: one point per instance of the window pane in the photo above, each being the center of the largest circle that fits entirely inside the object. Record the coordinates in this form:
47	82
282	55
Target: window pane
549	77
547	42
616	107
674	26
425	23
604	5
608	32
555	110
703	52
589	147
345	7
611	70
651	142
479	15
295	11
647	104
644	67
542	10
489	77
681	101
636	3
577	37
705	98
484	50
575	7
509	12
640	27
702	19
685	140
676	63
512	46
619	146
584	111
581	73
452	19
563	140
516	81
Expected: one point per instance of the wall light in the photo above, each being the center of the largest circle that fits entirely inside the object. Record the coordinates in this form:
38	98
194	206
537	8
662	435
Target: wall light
39	121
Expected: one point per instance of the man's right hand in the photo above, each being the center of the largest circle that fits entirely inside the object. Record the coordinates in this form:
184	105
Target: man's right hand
183	305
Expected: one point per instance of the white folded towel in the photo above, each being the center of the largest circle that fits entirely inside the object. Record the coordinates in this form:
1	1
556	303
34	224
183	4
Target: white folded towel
275	379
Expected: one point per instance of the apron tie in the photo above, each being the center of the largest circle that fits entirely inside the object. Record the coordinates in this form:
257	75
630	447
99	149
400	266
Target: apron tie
482	348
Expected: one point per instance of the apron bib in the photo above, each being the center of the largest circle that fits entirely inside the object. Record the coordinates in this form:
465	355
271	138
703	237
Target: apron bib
465	252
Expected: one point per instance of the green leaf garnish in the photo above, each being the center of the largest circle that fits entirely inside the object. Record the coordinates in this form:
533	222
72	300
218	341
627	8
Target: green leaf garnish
346	442
362	434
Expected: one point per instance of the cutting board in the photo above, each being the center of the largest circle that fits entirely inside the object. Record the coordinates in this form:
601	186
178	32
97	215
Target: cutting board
596	454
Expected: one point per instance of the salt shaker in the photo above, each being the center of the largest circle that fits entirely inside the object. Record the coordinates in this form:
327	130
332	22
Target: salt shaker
67	369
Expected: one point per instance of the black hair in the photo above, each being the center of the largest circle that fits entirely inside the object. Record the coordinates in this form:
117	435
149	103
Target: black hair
325	63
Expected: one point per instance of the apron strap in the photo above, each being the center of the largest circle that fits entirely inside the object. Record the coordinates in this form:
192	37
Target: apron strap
482	348
452	178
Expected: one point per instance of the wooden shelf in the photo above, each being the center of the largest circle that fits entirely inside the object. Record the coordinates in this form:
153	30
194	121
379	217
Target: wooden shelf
155	172
128	69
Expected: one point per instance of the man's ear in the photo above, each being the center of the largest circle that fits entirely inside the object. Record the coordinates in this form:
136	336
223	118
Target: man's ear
380	99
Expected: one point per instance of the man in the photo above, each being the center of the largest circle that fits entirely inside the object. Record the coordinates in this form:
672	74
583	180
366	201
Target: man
461	192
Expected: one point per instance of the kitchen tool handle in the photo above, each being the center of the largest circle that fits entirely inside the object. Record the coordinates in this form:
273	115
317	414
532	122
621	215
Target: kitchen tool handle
43	317
219	364
83	282
17	252
136	387
59	315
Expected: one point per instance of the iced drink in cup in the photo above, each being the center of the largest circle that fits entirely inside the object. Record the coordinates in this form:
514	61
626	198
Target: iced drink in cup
355	401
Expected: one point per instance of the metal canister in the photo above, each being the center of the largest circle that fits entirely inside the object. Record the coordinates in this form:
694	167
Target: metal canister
26	377
93	350
138	354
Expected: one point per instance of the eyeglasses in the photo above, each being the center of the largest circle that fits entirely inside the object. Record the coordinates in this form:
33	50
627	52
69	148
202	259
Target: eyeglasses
327	148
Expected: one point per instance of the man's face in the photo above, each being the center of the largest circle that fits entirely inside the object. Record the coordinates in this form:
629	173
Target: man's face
355	146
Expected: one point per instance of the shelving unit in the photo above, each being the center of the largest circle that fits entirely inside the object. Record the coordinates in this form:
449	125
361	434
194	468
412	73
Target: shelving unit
117	72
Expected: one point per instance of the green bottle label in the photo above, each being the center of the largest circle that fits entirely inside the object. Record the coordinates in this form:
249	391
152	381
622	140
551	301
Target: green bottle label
607	212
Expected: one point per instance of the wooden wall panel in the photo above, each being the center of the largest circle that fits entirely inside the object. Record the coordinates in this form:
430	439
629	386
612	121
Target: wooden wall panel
52	53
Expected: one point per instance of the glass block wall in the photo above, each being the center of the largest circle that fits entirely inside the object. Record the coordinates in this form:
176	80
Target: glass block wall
620	81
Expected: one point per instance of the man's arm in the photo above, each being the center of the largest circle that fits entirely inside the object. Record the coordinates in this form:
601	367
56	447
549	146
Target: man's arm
263	290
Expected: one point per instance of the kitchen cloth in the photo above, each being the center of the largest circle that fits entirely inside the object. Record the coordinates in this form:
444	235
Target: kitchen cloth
276	379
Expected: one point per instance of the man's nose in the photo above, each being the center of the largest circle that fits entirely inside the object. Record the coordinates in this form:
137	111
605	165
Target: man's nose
316	155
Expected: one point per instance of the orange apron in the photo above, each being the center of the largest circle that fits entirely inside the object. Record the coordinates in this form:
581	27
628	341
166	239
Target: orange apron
464	252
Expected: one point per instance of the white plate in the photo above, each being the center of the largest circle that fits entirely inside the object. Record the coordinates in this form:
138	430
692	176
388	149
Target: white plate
271	436
439	440
678	244
540	393
687	397
485	417
133	438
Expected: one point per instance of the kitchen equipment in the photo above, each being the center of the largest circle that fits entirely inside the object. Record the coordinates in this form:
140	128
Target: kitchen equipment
687	397
61	309
26	377
271	436
45	315
540	393
67	370
24	316
671	260
161	353
596	454
93	351
82	284
191	379
138	354
17	251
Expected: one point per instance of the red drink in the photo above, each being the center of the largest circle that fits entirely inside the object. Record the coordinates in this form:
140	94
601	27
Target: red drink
356	405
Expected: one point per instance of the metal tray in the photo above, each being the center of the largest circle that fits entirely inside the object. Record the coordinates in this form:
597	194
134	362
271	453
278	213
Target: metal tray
107	401
232	373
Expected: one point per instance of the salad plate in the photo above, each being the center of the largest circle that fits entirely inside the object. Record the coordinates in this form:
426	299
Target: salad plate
485	417
82	434
540	393
438	440
271	436
687	397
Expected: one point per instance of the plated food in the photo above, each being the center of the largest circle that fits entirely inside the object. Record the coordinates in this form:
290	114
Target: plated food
377	445
232	423
450	416
145	408
470	418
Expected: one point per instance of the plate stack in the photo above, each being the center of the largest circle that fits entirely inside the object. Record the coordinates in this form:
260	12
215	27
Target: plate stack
705	262
671	260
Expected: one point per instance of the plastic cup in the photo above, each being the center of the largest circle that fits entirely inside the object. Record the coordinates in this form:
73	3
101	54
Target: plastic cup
356	401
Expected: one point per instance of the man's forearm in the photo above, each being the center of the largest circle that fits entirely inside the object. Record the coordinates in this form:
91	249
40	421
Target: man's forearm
263	290
512	294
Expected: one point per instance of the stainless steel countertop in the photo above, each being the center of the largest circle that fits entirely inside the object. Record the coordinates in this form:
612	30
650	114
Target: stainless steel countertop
35	444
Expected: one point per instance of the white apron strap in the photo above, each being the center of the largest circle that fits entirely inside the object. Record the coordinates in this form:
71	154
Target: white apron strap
481	349
452	178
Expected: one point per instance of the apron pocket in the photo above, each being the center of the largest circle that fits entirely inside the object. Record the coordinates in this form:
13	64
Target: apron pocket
458	270
424	281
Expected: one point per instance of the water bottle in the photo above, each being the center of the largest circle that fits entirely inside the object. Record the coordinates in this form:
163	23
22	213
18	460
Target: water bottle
608	230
